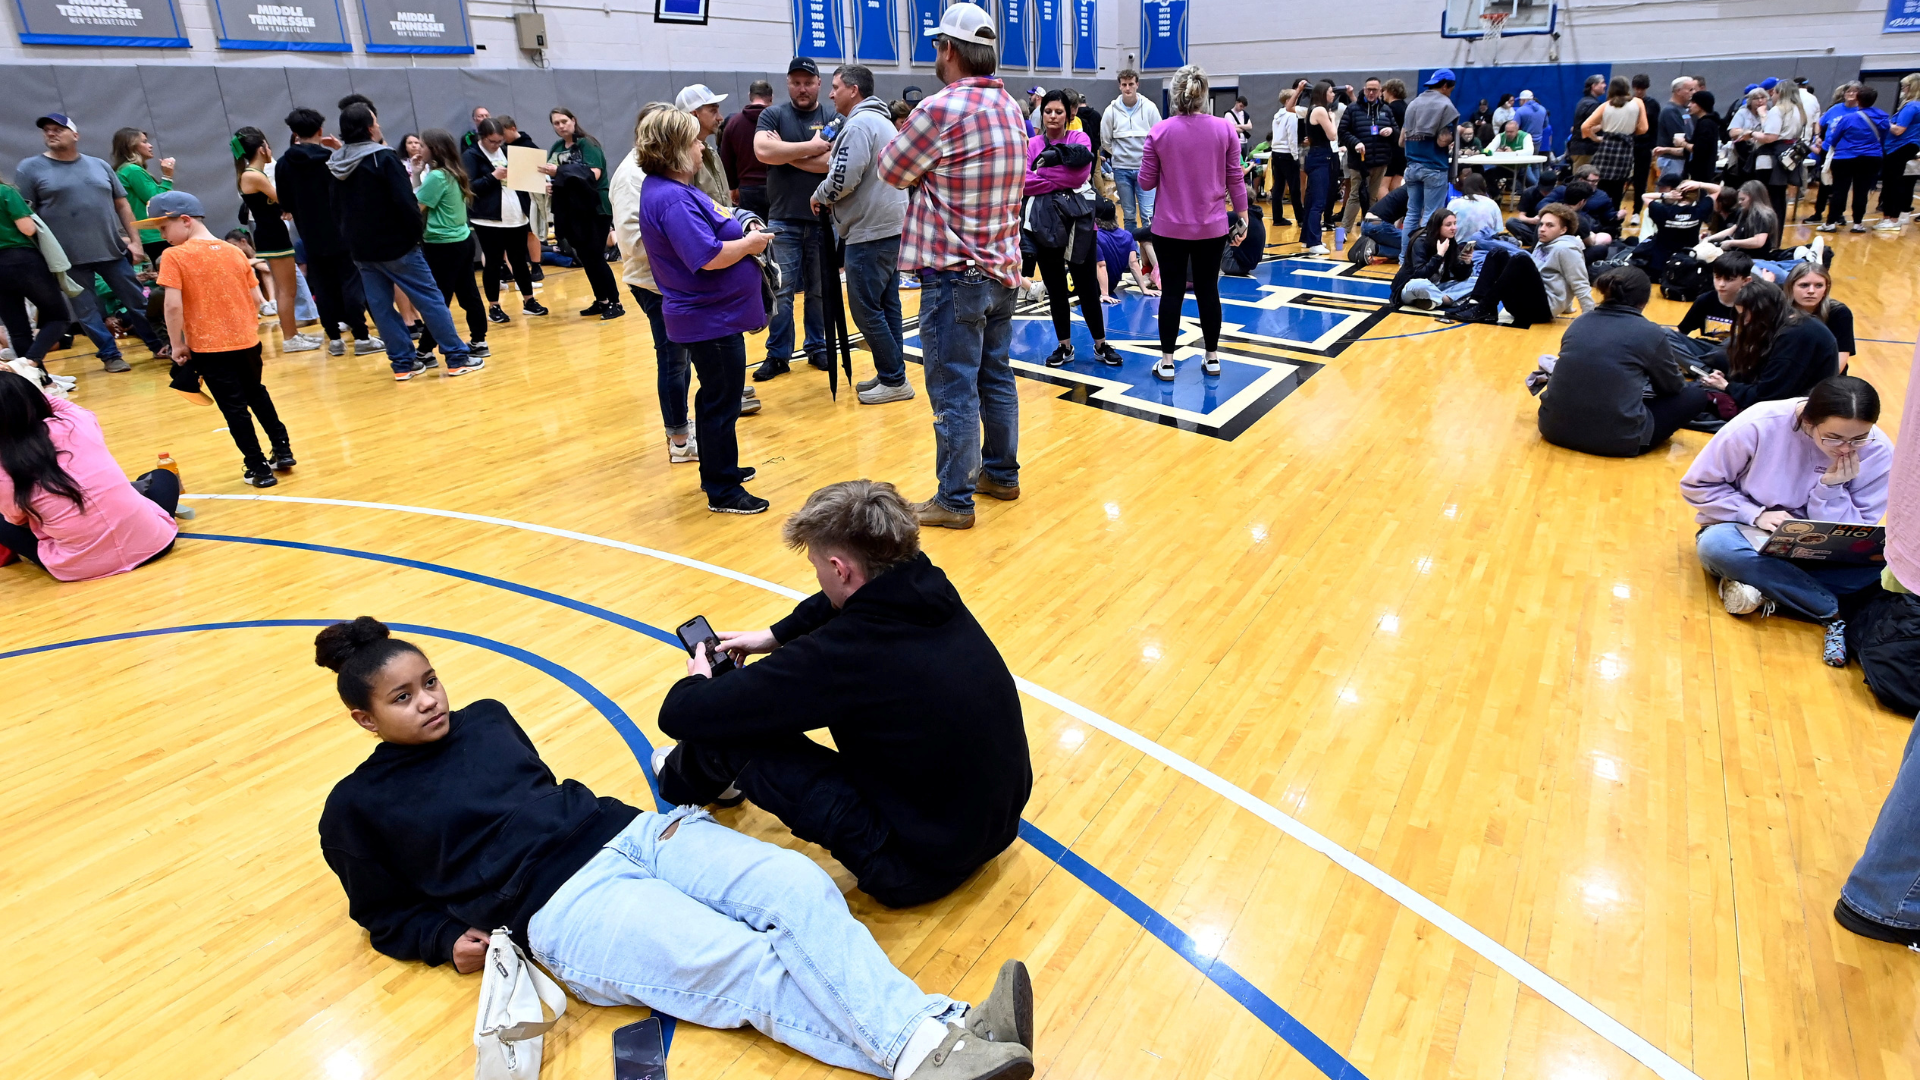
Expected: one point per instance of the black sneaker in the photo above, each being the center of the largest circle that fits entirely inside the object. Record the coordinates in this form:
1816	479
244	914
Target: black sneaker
1061	356
454	371
539	272
769	369
416	330
594	308
740	502
494	313
824	363
1873	928
260	475
747	474
406	373
479	348
283	458
1108	355
613	311
530	306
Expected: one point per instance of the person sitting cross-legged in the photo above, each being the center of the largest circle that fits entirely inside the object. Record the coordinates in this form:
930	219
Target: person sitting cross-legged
931	770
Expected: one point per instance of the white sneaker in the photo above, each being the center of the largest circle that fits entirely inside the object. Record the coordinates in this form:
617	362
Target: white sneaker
659	759
1888	225
1817	251
301	343
1210	365
1037	291
368	345
336	347
1505	318
681	454
1740	598
1318	249
269	308
881	393
1165	370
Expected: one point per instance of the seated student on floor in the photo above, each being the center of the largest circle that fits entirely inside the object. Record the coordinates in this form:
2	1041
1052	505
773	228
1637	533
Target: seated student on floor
1817	458
1479	215
1525	222
1754	228
454	826
1240	259
931	770
1520	288
1615	389
1677	218
65	506
1118	254
1599	207
1382	224
1436	271
1809	288
1775	352
1711	314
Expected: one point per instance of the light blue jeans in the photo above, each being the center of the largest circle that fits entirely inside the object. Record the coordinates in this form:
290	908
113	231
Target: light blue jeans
1810	590
1126	184
717	928
1426	192
1885	883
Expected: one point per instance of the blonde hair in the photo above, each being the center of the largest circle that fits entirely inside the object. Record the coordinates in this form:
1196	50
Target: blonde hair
1189	90
1287	96
662	141
865	519
1910	88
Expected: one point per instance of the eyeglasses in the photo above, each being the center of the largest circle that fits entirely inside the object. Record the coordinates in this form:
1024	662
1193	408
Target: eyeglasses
1837	441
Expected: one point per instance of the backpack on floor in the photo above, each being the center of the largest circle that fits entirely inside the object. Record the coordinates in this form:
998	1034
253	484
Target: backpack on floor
1684	278
1885	637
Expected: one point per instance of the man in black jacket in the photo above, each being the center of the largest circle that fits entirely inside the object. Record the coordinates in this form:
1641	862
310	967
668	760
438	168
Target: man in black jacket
372	199
1580	149
1367	131
306	192
931	770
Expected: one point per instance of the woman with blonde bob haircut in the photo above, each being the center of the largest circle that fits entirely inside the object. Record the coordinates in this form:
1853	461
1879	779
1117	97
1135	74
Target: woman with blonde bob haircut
701	257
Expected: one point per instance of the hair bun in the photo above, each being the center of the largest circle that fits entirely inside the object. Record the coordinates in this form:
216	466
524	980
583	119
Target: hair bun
336	644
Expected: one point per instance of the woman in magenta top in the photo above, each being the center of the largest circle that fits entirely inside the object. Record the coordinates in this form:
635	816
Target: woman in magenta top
1192	161
66	505
1058	165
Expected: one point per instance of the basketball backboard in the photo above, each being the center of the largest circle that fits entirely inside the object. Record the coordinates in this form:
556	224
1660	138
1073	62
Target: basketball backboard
1462	18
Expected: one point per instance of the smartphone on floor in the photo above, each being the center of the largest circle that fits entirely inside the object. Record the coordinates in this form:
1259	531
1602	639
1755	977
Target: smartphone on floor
639	1052
694	633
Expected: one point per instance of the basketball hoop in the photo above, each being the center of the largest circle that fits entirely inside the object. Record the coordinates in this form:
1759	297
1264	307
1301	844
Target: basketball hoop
1495	20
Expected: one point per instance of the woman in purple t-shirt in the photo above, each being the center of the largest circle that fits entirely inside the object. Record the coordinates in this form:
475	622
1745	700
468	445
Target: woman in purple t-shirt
710	289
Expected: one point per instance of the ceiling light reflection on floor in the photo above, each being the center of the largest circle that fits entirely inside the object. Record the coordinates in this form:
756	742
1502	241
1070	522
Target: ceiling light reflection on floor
1610	666
1113	511
1390	624
344	1066
1623	592
1150	653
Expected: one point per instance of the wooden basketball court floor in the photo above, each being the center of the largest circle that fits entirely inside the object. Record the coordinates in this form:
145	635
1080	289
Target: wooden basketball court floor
1380	739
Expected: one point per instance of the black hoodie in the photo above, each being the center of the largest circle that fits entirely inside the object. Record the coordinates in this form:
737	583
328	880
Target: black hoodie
920	704
469	830
374	203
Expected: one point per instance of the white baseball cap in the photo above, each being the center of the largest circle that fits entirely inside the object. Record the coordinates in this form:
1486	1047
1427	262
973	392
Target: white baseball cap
1526	95
966	22
693	97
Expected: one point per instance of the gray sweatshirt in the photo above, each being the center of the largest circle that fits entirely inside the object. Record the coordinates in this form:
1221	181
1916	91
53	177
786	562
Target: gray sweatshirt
1563	270
864	206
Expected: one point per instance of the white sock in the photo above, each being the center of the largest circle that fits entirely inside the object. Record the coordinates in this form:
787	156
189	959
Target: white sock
1213	357
925	1040
1166	358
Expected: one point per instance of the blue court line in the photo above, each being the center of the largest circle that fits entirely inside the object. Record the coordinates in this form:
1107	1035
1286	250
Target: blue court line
1269	1012
1417	333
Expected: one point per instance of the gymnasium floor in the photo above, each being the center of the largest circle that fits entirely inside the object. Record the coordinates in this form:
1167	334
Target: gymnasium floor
1372	736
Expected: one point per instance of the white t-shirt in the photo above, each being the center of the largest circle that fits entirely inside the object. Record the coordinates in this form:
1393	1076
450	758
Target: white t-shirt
511	215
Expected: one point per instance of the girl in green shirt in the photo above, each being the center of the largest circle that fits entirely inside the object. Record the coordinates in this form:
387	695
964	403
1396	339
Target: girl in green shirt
131	152
587	236
448	242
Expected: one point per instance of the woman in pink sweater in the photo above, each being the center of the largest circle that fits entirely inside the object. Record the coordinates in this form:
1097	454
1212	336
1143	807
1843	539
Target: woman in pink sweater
65	504
1192	161
1059	163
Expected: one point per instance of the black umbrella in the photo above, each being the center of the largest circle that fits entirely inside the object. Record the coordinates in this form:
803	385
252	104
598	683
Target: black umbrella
833	256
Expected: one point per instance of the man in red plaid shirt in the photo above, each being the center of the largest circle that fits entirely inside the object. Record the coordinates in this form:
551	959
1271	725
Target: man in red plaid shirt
966	147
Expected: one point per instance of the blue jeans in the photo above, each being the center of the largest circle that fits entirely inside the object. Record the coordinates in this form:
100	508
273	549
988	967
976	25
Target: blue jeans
1810	590
1426	192
1780	269
1385	236
722	366
873	297
119	276
796	248
1320	166
1126	183
411	274
670	361
722	930
966	331
1885	883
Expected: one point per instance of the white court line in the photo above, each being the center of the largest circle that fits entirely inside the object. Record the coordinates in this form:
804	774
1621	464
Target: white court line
1506	959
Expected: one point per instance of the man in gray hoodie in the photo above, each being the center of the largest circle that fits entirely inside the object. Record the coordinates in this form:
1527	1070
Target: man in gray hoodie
868	215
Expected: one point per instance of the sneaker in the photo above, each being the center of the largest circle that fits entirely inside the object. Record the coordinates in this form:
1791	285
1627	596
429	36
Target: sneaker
414	330
269	309
595	308
1740	598
1318	249
494	313
962	1055
1872	928
1107	354
1504	318
749	405
1827	226
1858	226
883	393
479	348
454	371
116	364
681	453
365	345
1003	492
405	374
336	347
1210	365
740	502
1061	356
1164	370
612	312
539	272
301	343
932	513
863	385
821	363
530	306
747	474
770	368
260	476
1007	1014
283	458
909	281
1834	649
1887	225
1037	290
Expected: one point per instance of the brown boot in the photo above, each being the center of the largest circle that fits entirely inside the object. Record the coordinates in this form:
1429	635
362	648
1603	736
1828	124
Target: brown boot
965	1056
932	513
1007	1014
1003	492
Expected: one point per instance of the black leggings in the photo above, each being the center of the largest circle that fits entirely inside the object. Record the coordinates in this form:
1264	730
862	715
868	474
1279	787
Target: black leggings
452	266
1178	259
1857	173
24	277
503	246
1896	187
1513	281
1672	412
160	487
1053	271
588	239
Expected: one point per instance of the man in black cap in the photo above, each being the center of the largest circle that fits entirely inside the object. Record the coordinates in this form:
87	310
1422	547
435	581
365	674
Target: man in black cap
788	140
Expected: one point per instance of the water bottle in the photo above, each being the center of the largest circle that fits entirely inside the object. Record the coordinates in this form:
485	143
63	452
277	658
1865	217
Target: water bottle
832	128
166	462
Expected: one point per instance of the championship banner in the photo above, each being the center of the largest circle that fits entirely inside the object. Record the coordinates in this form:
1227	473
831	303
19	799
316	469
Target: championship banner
1046	37
146	24
1163	34
1086	35
305	26
417	26
1903	17
1013	34
926	16
817	30
876	33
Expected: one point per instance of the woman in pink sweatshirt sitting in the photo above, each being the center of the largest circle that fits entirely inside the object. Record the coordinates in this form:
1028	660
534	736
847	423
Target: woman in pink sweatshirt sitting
1192	160
1817	458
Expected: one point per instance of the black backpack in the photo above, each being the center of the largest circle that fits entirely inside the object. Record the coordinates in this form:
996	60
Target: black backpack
1885	637
1684	278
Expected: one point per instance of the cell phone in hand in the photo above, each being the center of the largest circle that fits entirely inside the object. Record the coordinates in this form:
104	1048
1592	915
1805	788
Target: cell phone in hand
639	1051
1698	370
695	633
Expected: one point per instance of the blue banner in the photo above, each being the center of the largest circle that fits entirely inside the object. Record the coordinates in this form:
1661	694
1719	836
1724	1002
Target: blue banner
1046	35
1163	34
1086	34
101	22
817	29
876	37
926	16
1903	17
1013	34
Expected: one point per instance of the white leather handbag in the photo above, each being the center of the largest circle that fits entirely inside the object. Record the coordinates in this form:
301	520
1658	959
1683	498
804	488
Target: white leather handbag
510	1027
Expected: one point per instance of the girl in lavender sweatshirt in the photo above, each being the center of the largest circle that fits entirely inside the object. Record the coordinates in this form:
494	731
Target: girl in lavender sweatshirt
1818	458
